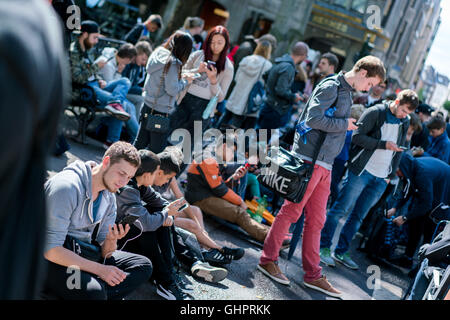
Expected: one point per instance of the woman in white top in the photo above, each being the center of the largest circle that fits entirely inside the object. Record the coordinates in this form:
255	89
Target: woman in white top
215	72
250	70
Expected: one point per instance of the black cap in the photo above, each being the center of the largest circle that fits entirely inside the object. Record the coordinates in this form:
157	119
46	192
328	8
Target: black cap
425	109
90	26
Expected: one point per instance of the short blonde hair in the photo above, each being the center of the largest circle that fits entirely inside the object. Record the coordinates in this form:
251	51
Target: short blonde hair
356	111
263	49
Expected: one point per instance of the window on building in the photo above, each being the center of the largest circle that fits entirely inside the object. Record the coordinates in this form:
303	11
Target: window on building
359	6
387	12
343	3
399	38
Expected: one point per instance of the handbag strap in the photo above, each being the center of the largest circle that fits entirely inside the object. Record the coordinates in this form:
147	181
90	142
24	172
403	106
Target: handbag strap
262	68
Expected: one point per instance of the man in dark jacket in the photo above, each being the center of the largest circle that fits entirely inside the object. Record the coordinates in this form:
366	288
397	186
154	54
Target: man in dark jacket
332	93
429	186
151	25
280	98
374	158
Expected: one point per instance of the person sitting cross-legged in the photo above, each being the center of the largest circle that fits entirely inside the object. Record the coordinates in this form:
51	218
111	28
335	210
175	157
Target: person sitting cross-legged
207	190
191	218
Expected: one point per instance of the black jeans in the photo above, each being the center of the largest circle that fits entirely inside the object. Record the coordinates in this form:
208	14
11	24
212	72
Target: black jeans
416	228
153	141
190	109
91	287
162	246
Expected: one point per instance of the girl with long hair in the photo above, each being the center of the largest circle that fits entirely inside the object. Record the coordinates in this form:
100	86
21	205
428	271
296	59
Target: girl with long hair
163	83
215	73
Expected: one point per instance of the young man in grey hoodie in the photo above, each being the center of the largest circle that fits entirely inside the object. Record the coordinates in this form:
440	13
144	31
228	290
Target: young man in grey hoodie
334	93
82	211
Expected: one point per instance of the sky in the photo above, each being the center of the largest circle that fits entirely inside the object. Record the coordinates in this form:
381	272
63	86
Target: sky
439	56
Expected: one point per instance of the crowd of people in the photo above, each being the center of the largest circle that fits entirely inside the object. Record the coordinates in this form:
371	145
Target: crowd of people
132	218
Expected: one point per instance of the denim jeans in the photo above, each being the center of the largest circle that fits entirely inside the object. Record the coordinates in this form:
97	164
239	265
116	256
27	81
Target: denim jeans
117	90
114	90
421	283
269	119
336	176
115	125
358	195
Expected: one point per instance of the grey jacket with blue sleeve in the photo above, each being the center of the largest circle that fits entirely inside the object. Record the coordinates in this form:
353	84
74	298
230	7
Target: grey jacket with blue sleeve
143	202
332	91
70	206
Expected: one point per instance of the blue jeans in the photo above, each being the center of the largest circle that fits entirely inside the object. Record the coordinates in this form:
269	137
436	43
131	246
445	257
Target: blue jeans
115	125
421	283
358	195
114	90
117	90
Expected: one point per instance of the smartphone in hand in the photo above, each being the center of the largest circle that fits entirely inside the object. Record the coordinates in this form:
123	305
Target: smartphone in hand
128	219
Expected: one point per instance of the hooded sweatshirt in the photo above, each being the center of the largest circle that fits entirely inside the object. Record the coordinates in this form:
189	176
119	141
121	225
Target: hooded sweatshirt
70	206
250	70
109	71
143	202
429	183
170	87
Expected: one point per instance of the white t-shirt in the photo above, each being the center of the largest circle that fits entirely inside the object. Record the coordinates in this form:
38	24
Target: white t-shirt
379	163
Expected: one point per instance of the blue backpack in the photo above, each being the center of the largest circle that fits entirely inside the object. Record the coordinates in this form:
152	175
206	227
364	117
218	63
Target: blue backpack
257	95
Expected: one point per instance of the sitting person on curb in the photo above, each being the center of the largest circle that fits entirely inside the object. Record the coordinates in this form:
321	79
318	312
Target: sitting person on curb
207	190
191	219
155	226
136	73
81	210
85	71
115	62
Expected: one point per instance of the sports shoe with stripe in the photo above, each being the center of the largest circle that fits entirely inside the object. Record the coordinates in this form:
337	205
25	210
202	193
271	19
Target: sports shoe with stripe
171	291
216	257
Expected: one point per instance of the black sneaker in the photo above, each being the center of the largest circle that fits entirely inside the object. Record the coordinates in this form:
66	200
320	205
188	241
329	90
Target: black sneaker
182	283
208	273
402	261
214	256
171	292
233	254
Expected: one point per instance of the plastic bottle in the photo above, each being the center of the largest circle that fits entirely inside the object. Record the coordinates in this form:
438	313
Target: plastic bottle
259	211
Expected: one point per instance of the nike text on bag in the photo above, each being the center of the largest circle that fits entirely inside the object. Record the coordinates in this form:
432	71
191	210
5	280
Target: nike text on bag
286	174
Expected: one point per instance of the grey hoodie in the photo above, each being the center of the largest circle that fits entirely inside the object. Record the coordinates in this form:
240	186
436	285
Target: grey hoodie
109	71
171	86
69	206
331	91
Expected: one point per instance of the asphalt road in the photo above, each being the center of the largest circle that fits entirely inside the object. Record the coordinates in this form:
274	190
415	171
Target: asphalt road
245	282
